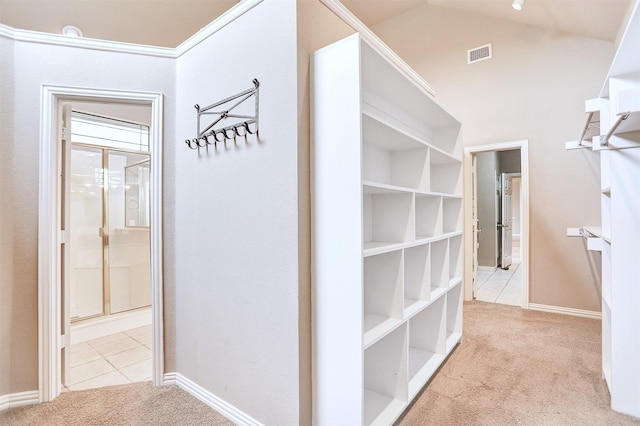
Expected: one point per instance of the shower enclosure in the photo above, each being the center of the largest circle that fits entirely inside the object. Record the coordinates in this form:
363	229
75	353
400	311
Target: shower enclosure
109	216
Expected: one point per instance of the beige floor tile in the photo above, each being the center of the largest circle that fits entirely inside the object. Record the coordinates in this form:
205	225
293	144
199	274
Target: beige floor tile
109	379
128	357
84	356
116	346
142	335
110	338
80	347
89	370
138	372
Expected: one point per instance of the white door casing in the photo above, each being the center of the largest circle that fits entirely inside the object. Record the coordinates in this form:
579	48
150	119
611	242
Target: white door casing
50	235
469	247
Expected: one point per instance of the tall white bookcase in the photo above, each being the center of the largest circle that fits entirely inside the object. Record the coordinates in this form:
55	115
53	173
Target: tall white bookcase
387	236
618	238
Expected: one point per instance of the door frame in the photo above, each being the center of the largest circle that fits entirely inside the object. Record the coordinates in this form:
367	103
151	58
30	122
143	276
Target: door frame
469	153
50	340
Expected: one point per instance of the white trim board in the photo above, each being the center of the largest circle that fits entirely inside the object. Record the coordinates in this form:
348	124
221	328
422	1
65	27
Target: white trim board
49	284
523	146
565	311
138	49
221	406
19	399
377	44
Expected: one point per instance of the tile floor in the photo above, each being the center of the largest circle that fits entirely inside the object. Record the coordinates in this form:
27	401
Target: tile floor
501	286
115	359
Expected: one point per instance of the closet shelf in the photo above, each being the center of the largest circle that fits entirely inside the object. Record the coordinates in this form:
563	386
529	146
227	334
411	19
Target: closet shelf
376	327
370	187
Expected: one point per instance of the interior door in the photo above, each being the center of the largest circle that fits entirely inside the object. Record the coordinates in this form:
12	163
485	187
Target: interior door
475	223
507	221
64	189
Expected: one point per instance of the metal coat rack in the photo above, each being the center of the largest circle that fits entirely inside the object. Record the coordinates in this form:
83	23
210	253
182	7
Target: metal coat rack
244	124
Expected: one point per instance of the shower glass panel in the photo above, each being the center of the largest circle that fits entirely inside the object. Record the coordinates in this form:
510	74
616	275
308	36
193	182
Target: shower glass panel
129	236
87	256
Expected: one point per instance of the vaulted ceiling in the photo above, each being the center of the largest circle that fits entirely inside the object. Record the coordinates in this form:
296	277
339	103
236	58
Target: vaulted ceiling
170	22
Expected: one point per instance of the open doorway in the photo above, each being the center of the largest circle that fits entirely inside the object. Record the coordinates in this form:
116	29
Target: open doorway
496	218
55	232
109	272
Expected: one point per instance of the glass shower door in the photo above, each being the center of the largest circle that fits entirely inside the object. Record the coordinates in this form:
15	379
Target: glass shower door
87	249
129	232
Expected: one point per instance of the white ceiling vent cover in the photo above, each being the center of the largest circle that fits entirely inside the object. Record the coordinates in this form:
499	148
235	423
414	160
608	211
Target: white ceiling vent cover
479	54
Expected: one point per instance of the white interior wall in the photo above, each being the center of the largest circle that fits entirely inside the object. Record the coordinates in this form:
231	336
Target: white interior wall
533	88
32	65
237	222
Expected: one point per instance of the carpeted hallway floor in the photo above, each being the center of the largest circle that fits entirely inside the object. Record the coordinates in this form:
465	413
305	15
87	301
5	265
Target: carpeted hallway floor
514	367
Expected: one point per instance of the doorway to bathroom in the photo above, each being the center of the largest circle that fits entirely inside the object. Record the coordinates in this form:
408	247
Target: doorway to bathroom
496	220
109	271
122	235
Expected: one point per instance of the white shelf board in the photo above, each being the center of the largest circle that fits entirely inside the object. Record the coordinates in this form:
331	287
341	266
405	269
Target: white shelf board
454	281
422	365
412	307
437	292
394	135
381	409
452	340
371	248
376	327
370	187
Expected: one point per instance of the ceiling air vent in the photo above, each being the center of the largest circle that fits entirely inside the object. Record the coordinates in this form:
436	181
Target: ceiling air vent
479	54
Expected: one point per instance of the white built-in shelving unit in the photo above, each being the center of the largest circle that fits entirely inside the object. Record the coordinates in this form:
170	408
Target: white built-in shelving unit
387	236
618	238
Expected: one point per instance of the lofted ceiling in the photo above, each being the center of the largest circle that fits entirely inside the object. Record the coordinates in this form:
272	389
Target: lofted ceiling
600	19
170	22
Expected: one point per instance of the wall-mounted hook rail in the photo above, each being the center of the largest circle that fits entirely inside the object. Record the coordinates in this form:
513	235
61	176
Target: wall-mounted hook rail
243	124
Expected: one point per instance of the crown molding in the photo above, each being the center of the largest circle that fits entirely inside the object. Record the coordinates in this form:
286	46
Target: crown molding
377	44
138	49
216	25
85	43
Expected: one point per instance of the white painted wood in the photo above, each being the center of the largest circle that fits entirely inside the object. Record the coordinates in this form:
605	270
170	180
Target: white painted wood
618	238
386	207
454	317
336	209
221	406
565	311
429	216
19	399
49	284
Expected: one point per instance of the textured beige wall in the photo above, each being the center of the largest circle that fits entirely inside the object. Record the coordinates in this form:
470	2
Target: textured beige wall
533	88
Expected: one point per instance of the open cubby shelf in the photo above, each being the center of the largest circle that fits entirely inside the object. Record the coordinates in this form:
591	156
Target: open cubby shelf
387	235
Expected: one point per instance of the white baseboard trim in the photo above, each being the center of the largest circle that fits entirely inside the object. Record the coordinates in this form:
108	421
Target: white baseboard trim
19	399
565	311
487	268
221	406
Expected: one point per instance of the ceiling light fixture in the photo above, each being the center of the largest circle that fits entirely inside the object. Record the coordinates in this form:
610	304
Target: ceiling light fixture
517	4
71	31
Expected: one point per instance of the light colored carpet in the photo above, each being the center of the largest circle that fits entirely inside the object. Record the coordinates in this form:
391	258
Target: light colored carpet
133	404
519	367
514	367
